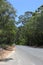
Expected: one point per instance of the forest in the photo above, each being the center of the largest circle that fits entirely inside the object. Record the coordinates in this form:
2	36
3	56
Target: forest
29	33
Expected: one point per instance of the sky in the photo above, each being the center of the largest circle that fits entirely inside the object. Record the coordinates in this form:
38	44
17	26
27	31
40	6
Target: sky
25	5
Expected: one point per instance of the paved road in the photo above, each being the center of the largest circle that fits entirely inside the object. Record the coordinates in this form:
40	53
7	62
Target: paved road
25	56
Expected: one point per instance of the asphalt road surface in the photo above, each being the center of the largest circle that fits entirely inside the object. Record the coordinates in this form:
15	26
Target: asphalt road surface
24	55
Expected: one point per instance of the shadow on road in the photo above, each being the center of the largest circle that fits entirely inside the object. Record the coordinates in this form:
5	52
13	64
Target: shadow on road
6	60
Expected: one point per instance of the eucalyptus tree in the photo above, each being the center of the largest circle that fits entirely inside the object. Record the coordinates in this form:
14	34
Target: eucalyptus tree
7	23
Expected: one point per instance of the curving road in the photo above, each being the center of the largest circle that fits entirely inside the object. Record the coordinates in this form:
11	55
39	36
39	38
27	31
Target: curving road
25	56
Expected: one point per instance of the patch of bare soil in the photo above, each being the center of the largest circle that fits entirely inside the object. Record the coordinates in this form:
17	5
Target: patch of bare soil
5	53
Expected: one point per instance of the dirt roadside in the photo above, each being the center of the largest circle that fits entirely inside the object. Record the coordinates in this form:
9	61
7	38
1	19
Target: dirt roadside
5	53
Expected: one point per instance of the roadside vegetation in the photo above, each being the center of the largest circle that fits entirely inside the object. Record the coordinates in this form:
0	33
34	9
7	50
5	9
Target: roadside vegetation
7	23
29	33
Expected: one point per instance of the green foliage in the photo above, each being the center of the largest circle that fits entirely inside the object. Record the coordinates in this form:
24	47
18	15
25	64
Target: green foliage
24	18
32	32
7	23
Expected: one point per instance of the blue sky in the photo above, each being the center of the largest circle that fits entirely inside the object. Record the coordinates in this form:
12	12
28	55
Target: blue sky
25	5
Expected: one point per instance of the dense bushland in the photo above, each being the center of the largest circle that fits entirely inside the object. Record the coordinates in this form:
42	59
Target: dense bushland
31	31
7	23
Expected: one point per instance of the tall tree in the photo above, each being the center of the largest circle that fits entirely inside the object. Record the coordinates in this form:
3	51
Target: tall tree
24	18
7	23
